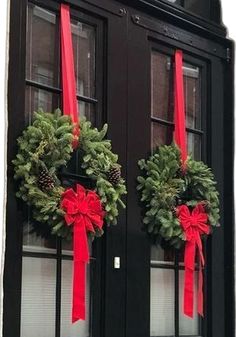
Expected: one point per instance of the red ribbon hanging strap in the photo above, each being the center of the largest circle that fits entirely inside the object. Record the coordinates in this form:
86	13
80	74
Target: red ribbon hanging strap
194	225
70	106
179	113
84	211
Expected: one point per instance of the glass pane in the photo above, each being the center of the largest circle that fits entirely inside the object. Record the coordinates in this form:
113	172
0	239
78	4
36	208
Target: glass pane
83	37
187	326
42	52
192	93
194	145
87	110
160	255
80	328
38	98
162	302
161	86
33	240
38	301
67	247
160	134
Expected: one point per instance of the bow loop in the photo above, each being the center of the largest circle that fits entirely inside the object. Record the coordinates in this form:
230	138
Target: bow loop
194	224
83	206
83	210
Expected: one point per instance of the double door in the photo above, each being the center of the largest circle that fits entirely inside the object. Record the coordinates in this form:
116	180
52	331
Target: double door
124	69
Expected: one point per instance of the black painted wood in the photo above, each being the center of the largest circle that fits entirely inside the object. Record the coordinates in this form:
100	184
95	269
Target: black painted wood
139	140
180	17
12	270
217	157
116	108
229	193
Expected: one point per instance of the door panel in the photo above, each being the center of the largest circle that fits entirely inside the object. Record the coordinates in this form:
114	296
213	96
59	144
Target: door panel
203	79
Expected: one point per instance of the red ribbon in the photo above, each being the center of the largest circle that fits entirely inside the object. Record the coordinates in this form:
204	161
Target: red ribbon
179	113
194	225
83	210
70	104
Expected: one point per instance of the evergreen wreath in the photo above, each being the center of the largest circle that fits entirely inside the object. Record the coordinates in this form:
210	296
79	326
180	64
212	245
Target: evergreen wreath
44	148
164	186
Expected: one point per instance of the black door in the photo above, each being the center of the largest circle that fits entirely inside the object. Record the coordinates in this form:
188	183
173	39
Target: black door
155	275
124	77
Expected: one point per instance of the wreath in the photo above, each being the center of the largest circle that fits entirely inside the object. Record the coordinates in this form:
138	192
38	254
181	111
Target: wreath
44	148
171	194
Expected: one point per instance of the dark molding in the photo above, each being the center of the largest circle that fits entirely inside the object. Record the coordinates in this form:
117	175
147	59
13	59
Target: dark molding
184	19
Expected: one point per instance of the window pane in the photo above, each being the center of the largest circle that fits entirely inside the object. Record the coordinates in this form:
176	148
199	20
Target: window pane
160	134
161	86
81	328
35	99
38	297
87	110
161	255
33	240
192	94
162	302
67	247
188	326
38	98
194	145
83	37
41	52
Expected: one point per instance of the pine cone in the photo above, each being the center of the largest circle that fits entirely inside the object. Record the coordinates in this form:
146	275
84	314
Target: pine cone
114	175
45	180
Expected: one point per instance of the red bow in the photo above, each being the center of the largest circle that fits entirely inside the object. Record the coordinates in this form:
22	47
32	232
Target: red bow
194	225
83	210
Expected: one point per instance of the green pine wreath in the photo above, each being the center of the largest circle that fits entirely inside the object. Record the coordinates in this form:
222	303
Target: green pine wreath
44	149
164	186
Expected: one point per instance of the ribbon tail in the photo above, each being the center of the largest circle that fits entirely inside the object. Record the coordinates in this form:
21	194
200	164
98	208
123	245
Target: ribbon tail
200	277
200	290
78	307
81	258
189	258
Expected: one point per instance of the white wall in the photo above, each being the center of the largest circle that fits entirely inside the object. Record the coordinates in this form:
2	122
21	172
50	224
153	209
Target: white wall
4	10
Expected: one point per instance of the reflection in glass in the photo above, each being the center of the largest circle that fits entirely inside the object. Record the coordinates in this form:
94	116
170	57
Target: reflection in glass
36	99
194	145
161	87
83	37
33	240
160	255
80	328
38	301
160	134
188	326
162	302
87	110
192	94
162	93
41	46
